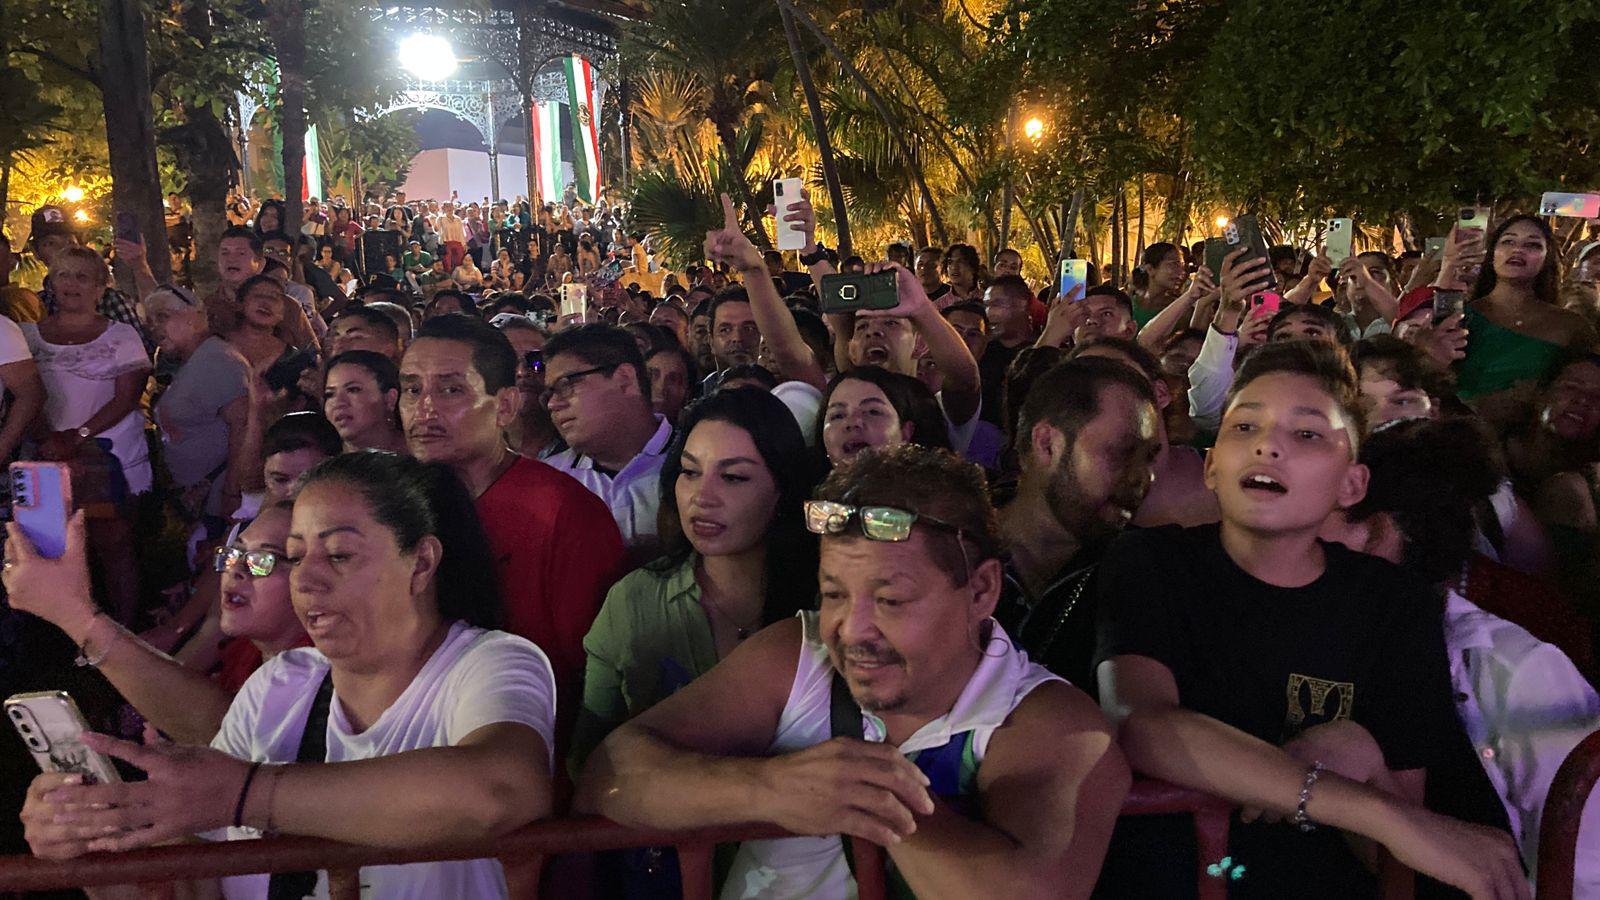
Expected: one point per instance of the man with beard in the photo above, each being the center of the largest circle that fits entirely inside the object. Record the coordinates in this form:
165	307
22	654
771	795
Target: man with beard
898	712
735	336
1087	439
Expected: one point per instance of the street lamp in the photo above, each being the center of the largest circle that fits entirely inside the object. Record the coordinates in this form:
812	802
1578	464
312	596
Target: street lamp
1222	221
1033	128
428	56
72	194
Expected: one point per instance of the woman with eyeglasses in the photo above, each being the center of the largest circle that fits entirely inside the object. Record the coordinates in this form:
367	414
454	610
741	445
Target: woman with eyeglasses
184	703
434	728
361	396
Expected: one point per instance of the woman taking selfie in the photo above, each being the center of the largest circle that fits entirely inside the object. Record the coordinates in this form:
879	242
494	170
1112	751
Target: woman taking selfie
738	558
436	728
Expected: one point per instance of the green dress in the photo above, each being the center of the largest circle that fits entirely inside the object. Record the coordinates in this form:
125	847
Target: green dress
1499	358
651	638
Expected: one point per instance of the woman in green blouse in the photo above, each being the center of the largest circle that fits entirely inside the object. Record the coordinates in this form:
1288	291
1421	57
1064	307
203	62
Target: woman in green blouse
738	557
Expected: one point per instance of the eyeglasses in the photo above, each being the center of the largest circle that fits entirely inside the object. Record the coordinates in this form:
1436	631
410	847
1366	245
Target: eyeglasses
260	563
564	386
878	523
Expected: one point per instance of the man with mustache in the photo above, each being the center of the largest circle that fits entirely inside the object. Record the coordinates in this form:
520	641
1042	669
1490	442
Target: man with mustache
980	772
1087	440
555	544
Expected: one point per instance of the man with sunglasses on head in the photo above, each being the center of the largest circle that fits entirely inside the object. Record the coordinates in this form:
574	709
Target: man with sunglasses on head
597	391
899	713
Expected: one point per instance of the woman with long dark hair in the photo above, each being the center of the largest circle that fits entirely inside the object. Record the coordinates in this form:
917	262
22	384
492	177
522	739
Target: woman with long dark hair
737	558
1516	327
868	406
435	728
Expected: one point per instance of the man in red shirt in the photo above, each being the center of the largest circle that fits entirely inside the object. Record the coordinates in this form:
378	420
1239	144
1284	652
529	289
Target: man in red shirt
555	544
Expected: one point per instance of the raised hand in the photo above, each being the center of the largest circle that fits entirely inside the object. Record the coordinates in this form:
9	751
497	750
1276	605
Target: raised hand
802	212
1241	279
56	590
1066	314
730	245
913	299
848	786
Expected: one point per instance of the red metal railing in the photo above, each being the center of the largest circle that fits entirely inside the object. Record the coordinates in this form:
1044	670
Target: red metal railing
1563	813
524	851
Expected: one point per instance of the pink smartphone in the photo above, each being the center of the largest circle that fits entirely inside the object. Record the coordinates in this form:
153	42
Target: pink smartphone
1265	304
41	504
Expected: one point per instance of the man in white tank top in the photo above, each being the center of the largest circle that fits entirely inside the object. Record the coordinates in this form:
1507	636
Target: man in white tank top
980	772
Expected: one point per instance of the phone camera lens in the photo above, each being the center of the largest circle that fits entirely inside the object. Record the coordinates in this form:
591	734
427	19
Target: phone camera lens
25	727
16	713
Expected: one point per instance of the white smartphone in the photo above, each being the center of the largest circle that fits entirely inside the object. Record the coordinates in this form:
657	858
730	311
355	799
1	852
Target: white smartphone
575	301
53	728
790	235
1337	247
1572	206
1473	217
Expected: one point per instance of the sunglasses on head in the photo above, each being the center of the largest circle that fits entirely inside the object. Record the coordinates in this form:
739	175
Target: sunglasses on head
259	563
878	523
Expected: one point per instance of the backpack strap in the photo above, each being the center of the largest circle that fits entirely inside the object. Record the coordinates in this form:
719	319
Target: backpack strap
313	748
844	720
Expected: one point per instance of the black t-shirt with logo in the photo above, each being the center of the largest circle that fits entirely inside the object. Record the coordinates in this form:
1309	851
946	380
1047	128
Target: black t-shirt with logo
1363	642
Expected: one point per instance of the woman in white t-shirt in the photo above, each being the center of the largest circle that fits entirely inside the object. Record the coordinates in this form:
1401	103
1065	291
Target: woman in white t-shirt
392	578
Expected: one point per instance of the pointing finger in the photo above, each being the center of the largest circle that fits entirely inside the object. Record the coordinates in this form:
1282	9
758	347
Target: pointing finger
730	218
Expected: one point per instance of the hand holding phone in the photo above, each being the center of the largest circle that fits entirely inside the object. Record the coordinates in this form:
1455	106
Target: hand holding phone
1340	240
53	729
790	235
1074	274
1243	276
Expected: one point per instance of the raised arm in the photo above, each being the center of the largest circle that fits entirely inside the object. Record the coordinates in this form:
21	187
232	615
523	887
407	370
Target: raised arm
180	701
776	323
1156	331
1052	785
962	390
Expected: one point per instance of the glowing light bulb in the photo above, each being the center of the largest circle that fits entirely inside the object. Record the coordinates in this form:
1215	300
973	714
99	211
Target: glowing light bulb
428	56
1222	221
1033	128
72	194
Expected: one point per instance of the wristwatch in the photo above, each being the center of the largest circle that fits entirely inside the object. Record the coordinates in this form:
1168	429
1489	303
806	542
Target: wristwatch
811	259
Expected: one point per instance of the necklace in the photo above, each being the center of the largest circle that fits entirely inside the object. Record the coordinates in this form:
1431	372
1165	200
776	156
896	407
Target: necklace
1072	603
740	631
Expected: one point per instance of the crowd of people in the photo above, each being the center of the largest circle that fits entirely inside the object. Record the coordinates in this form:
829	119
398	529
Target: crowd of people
419	552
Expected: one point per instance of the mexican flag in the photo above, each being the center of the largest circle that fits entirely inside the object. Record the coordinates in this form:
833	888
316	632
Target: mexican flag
546	150
584	92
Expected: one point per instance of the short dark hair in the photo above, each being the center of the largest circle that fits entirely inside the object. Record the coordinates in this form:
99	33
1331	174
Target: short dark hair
759	374
468	305
242	232
492	355
414	499
250	284
964	252
377	318
969	306
1107	290
1142	359
1014	285
1430	475
726	295
929	482
301	431
383	369
1324	316
1411	366
1329	366
1068	395
601	345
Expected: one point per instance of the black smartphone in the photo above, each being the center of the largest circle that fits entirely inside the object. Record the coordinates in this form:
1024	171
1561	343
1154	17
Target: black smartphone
285	373
848	293
127	228
1245	232
1216	250
1447	304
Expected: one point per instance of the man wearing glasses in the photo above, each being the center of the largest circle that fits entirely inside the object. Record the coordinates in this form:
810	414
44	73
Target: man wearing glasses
556	548
899	713
597	391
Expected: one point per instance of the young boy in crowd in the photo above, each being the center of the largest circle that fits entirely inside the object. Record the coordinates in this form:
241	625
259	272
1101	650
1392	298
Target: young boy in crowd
1298	679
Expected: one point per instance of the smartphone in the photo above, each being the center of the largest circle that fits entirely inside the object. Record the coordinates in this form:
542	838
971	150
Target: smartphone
790	235
285	373
1074	274
1571	206
127	228
1265	304
1245	232
1447	304
1216	250
1433	248
1337	247
1473	217
41	504
53	728
575	301
848	293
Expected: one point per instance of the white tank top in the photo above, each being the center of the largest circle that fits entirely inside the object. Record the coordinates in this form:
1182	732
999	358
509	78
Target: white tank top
814	867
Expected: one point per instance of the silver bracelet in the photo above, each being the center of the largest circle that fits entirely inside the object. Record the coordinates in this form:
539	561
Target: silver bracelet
85	659
1301	820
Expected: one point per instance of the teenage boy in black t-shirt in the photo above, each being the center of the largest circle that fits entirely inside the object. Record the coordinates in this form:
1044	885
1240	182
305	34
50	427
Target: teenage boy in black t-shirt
1242	658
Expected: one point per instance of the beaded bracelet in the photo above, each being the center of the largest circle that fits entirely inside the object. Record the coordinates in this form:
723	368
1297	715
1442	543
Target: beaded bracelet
1301	820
